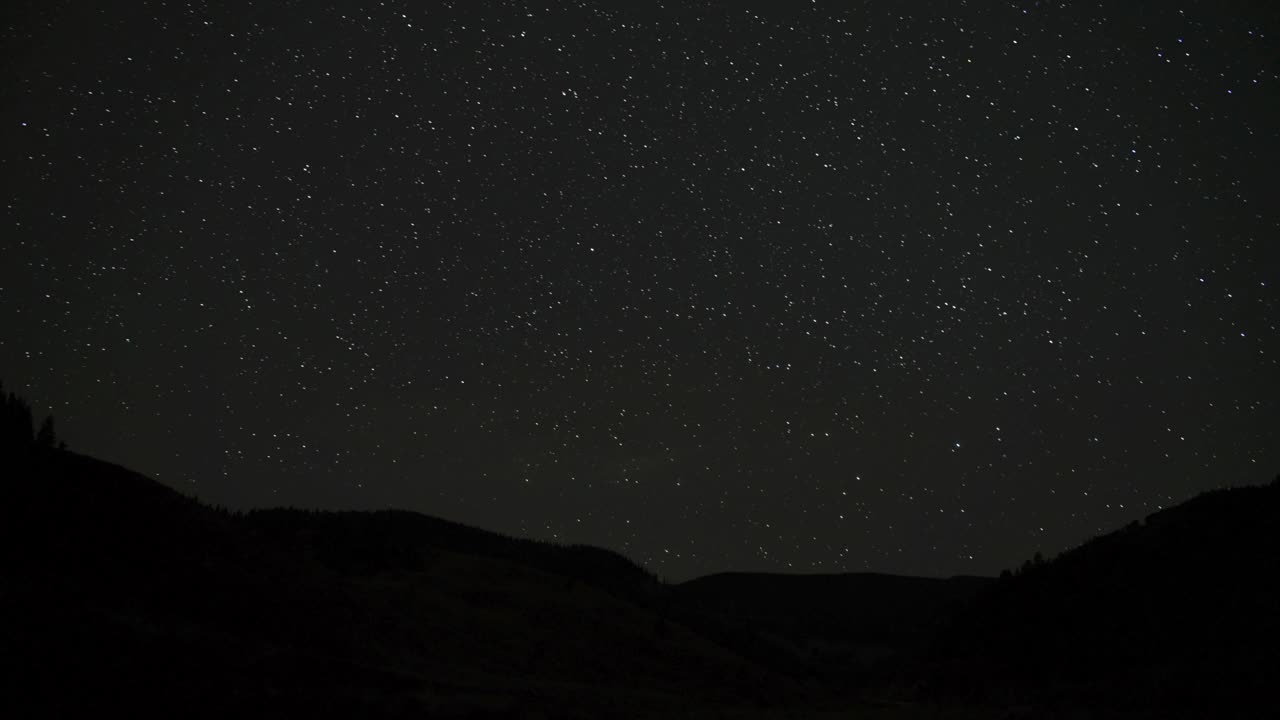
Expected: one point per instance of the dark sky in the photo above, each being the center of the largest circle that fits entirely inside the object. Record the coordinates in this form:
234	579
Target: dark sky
914	287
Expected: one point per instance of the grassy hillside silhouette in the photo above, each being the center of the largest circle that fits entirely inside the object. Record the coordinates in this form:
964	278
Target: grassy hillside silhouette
849	628
1180	611
119	593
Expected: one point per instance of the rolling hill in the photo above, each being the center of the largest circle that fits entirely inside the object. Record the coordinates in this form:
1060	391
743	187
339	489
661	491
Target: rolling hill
1180	611
120	592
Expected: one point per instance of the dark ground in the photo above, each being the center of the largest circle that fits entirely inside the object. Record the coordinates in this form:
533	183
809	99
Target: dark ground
121	593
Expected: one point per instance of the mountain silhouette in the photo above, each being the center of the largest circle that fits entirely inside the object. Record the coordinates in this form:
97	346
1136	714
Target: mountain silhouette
121	593
1180	611
845	627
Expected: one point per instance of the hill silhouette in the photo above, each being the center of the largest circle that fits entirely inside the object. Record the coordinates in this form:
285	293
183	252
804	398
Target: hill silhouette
121	593
1180	611
847	627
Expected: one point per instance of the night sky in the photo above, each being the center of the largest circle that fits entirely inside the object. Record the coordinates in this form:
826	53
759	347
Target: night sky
912	287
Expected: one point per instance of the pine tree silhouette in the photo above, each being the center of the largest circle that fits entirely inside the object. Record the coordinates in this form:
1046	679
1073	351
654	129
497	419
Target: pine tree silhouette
47	436
17	428
15	420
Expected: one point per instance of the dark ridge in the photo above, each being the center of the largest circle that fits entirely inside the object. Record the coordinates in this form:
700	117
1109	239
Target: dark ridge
847	627
366	543
890	610
1181	610
120	594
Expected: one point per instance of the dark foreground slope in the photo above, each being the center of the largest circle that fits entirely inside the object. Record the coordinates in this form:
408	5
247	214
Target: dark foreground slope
118	592
1179	615
847	627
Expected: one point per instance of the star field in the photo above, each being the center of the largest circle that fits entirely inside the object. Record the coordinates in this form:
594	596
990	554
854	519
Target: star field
907	287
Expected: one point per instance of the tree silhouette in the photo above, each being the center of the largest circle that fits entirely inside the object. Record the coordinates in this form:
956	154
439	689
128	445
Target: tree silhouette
1036	561
15	420
17	428
47	436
